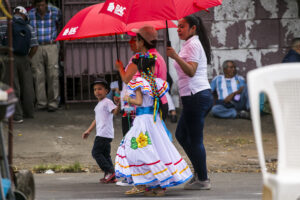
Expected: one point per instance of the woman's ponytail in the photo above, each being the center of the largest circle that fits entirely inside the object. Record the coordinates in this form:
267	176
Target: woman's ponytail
202	34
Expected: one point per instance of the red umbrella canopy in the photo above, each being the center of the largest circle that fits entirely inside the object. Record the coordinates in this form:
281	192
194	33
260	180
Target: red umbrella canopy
90	23
130	11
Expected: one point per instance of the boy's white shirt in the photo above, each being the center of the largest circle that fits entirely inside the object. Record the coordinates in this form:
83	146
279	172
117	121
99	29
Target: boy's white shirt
104	118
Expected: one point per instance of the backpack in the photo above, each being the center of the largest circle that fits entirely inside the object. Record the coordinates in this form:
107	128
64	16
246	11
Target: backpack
21	35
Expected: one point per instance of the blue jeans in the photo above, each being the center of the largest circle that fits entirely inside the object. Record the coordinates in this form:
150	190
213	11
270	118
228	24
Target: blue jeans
230	110
189	131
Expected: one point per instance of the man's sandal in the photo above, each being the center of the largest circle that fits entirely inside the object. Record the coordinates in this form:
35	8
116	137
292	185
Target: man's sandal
136	190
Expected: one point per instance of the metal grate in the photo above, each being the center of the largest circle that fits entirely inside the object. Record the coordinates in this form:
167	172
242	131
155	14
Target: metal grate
87	59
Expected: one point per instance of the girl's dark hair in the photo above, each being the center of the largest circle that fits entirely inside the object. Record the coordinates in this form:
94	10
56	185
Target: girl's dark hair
201	32
144	63
146	44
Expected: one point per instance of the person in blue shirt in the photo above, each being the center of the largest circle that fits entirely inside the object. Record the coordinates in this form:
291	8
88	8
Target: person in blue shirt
294	53
231	91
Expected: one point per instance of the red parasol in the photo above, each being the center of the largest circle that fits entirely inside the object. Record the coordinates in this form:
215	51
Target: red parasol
130	11
90	23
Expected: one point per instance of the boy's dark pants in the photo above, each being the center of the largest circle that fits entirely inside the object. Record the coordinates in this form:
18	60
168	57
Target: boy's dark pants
101	153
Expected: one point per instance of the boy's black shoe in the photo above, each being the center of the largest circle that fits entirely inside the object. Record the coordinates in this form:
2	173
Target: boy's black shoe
173	118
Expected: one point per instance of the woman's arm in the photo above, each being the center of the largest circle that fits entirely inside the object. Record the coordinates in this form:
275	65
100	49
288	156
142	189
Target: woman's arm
130	72
189	68
138	100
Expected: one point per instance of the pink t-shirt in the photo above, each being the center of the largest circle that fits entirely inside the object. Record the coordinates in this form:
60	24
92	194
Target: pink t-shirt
192	51
160	66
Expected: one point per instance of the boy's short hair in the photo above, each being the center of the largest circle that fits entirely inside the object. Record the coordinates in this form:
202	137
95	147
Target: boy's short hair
102	82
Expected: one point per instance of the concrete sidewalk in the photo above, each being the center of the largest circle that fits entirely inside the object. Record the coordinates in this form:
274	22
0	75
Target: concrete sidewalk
240	186
55	138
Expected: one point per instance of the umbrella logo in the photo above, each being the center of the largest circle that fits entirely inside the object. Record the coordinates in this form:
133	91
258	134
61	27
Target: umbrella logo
70	31
118	10
111	7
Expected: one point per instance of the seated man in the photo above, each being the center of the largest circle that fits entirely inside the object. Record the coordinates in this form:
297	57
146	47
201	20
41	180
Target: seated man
294	53
232	96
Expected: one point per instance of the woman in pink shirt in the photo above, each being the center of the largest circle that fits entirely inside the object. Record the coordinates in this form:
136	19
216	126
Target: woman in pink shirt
146	37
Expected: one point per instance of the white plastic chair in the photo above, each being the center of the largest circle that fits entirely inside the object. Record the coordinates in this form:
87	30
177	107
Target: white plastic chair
281	83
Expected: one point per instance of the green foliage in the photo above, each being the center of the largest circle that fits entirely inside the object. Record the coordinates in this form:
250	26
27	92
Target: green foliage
73	168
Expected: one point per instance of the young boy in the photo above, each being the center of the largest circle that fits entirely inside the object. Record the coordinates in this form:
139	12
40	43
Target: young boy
103	122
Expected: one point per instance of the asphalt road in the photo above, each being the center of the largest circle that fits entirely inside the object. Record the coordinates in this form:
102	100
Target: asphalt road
85	186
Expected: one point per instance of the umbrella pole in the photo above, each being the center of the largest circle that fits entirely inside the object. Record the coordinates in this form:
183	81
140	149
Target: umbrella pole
118	59
117	45
168	39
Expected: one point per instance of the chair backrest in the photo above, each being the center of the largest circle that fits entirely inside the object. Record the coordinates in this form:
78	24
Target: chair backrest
281	83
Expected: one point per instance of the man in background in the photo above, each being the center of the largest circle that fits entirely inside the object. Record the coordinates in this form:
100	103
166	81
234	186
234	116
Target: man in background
25	46
231	91
294	53
45	19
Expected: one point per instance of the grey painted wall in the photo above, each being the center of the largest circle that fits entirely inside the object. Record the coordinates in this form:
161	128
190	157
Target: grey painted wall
254	33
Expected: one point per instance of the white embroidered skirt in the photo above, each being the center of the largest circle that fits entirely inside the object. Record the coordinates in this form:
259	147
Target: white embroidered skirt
146	156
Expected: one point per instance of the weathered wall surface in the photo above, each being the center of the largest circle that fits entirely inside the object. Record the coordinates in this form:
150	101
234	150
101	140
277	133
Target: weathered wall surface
254	33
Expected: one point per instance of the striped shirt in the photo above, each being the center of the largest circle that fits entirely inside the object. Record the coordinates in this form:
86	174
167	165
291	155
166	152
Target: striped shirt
226	86
3	32
45	27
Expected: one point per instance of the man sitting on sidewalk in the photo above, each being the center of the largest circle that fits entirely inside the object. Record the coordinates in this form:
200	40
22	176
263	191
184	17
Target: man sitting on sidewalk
294	53
232	96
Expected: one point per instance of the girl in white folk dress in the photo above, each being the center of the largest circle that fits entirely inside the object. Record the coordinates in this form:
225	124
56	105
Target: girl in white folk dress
146	157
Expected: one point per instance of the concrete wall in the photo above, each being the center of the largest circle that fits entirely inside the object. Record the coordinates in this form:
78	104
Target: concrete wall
254	33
